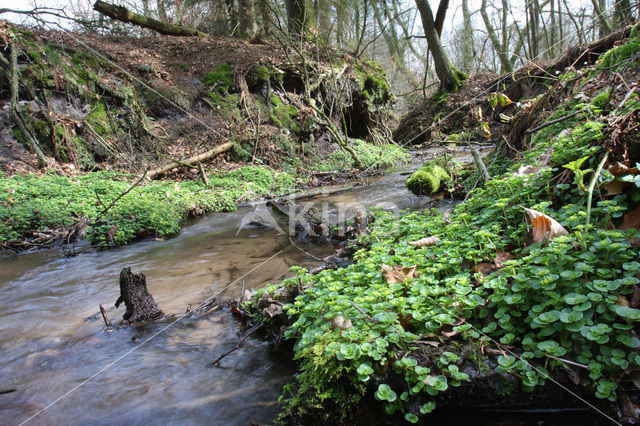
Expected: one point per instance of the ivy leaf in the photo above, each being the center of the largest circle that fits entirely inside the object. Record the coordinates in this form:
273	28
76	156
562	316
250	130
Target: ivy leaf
497	98
544	226
486	131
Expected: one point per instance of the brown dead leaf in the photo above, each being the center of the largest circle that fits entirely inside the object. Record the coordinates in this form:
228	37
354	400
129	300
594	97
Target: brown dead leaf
622	301
618	169
425	242
398	274
341	322
614	187
484	268
449	334
631	220
544	226
630	410
527	170
501	257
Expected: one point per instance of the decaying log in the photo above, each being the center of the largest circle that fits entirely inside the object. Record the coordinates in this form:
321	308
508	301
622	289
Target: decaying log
137	299
191	161
125	15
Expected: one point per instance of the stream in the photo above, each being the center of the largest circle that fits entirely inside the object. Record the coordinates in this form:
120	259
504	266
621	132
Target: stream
53	341
56	352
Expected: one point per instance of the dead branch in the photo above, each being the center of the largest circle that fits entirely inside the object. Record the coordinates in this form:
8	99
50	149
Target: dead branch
549	123
249	333
125	15
478	159
113	203
188	162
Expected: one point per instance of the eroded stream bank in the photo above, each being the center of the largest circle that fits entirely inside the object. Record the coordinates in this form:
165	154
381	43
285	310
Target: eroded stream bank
52	338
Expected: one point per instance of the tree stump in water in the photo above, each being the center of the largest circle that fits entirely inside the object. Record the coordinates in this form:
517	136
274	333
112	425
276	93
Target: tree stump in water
137	299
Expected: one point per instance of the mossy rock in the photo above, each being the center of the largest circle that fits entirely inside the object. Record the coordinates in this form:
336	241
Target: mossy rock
427	180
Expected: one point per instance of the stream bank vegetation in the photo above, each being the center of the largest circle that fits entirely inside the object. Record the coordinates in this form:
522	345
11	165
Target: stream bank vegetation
525	291
122	138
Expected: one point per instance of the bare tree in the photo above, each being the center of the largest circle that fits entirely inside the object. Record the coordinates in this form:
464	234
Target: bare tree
450	77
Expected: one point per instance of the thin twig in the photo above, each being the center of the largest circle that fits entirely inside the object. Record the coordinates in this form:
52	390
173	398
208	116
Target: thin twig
549	123
249	333
113	203
367	316
306	252
566	361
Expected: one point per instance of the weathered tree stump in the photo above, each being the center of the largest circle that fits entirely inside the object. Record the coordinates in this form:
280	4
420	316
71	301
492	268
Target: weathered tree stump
137	299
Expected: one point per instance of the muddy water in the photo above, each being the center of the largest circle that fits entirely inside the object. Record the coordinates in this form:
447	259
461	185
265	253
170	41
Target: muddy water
54	347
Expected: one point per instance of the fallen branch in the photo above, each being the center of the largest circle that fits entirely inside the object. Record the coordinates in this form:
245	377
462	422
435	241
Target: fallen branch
125	15
113	203
249	333
549	123
191	160
478	159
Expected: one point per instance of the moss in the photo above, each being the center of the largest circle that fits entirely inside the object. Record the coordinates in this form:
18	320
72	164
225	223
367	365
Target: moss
618	55
427	180
601	100
220	79
266	73
372	83
284	115
98	119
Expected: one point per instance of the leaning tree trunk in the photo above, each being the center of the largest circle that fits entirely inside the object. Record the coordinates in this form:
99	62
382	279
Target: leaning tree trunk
125	15
450	77
137	299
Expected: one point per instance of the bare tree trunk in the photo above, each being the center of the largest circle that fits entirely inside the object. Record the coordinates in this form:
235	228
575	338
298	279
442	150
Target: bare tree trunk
265	18
499	48
599	10
467	39
622	13
248	27
450	77
299	18
162	11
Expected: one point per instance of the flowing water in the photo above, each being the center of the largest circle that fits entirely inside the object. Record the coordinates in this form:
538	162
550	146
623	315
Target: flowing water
56	352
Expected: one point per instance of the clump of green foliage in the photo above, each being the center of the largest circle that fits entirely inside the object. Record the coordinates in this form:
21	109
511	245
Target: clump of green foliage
621	55
220	79
373	157
29	202
284	115
428	180
373	84
554	300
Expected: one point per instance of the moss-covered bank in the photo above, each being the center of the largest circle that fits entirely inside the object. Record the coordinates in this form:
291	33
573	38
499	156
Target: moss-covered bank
31	203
